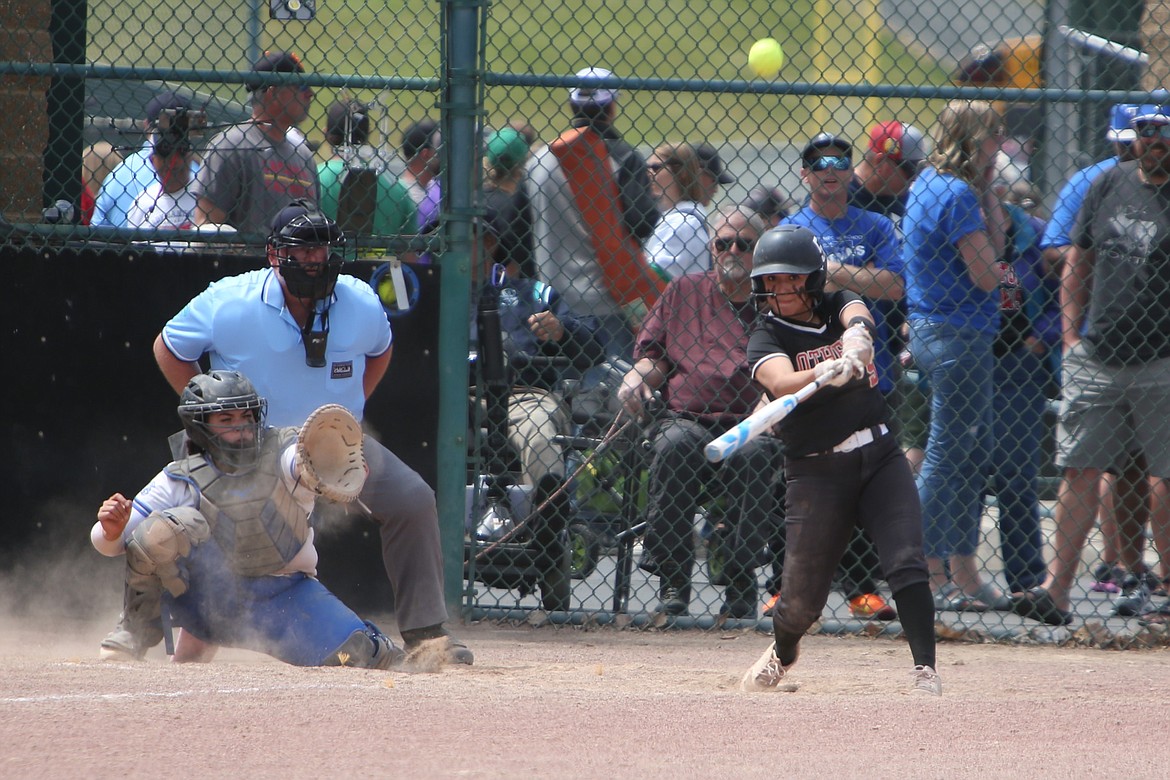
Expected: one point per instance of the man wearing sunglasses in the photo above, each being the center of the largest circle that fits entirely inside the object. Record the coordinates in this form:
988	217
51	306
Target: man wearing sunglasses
1115	372
251	171
692	350
861	255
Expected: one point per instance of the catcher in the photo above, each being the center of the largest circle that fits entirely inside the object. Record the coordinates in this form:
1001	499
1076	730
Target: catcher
843	468
222	536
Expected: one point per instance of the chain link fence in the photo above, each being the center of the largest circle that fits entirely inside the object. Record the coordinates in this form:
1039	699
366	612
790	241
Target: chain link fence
589	157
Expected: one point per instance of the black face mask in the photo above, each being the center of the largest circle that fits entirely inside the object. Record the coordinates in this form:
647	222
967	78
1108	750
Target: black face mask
302	284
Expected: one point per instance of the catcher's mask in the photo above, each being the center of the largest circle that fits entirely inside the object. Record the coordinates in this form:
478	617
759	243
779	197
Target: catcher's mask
299	224
221	391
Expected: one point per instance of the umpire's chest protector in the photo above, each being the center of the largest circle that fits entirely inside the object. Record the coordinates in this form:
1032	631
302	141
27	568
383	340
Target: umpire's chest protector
253	516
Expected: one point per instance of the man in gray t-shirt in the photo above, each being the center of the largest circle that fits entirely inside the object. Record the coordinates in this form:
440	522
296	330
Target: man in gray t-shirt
252	171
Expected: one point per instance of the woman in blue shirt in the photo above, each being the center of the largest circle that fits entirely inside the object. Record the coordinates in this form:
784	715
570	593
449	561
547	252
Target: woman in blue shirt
954	237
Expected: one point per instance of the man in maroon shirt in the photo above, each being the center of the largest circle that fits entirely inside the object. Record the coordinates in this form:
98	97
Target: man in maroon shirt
691	349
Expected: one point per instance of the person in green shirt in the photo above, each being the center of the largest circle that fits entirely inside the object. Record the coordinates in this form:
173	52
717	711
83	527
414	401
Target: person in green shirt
362	200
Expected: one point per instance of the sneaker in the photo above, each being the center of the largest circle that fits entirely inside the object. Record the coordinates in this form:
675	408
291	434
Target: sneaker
1107	578
1134	598
765	674
457	652
871	606
770	605
120	645
926	680
673	601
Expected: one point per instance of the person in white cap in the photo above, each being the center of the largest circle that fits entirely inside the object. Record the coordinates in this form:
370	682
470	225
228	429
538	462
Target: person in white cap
592	210
1116	365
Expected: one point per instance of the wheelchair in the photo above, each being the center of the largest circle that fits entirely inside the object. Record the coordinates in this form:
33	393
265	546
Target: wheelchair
510	542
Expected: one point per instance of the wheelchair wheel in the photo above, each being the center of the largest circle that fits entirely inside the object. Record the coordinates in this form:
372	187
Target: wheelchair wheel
584	550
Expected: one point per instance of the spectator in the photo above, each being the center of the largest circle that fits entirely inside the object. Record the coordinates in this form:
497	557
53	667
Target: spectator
168	202
505	154
1116	337
136	172
712	174
862	255
680	243
1029	328
361	200
539	332
954	231
882	179
251	171
895	152
592	209
309	336
96	164
420	150
1125	500
691	350
772	204
266	599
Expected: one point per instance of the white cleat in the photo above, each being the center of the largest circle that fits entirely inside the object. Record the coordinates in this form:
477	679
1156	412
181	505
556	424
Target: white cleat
926	680
765	674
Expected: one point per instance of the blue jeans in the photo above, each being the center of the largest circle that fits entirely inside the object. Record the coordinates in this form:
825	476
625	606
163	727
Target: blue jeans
959	367
1020	378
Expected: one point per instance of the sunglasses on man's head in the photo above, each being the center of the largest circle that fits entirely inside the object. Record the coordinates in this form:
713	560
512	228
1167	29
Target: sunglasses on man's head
742	244
825	163
1154	131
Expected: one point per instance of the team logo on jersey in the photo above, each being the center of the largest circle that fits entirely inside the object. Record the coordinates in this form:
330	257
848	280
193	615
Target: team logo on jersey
341	370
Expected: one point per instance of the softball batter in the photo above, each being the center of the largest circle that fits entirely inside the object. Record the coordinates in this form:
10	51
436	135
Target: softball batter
843	467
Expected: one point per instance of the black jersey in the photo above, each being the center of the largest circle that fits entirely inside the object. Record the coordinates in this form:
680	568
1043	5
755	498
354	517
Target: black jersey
833	414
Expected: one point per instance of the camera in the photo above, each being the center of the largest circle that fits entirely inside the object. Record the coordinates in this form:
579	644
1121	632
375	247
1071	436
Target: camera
178	129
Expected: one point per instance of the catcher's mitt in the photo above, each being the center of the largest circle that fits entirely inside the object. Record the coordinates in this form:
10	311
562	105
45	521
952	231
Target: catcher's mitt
329	451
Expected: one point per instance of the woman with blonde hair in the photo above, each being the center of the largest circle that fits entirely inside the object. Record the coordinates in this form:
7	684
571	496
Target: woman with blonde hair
954	231
680	241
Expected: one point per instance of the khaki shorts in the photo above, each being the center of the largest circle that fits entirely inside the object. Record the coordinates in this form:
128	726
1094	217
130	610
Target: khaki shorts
1109	411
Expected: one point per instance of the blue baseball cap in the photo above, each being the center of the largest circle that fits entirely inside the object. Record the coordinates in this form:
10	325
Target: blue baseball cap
1121	123
1150	114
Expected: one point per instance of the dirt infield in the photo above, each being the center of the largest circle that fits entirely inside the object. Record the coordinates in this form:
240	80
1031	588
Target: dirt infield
576	703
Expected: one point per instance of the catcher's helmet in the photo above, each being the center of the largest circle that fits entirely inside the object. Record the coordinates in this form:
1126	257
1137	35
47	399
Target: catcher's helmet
221	391
789	249
301	224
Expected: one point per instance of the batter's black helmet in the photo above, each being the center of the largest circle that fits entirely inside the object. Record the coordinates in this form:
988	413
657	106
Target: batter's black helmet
222	391
789	249
301	224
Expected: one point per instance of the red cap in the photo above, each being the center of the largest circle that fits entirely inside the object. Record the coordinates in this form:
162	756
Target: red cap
900	141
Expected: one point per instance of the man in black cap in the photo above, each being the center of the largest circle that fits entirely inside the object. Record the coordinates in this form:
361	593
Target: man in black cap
135	173
420	151
250	171
711	172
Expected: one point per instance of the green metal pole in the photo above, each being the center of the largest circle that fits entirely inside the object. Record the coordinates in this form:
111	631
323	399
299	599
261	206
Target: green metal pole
458	112
66	104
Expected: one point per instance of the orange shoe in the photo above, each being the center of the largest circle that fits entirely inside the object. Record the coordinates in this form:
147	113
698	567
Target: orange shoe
871	606
770	605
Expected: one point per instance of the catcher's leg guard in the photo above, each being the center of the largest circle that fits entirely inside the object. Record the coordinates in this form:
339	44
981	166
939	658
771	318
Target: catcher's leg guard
140	624
160	540
367	648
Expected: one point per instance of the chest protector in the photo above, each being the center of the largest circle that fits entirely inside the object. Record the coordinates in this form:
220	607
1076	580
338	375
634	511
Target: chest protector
253	516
